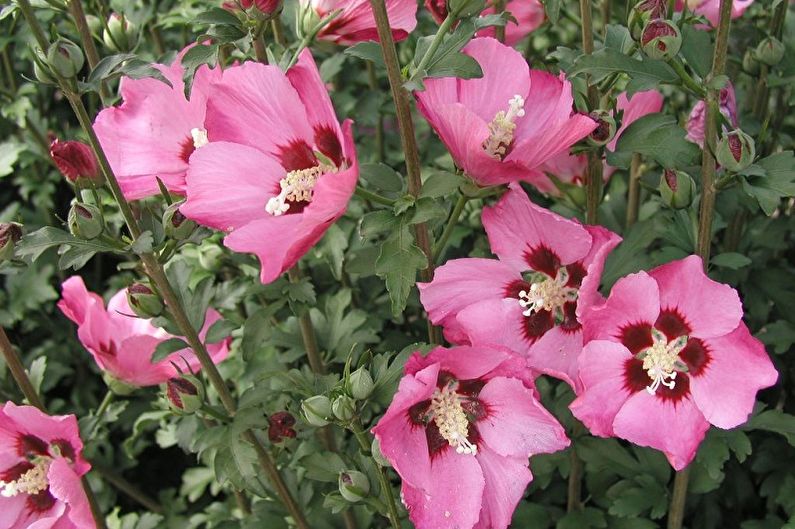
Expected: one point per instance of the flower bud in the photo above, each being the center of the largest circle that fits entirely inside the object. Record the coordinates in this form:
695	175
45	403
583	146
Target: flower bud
750	63
378	455
437	9
120	35
42	72
344	408
661	39
317	410
354	485
735	150
263	9
10	233
280	425
643	12
770	51
185	394
144	301
65	58
361	384
177	225
85	221
676	188
309	19
76	162
605	129
116	386
94	24
210	255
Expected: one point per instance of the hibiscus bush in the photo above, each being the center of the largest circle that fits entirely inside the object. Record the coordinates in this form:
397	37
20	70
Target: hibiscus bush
383	263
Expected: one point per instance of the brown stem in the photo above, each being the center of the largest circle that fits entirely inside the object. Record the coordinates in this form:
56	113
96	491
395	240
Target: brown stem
90	48
278	31
259	44
593	174
574	494
633	193
676	513
499	31
380	148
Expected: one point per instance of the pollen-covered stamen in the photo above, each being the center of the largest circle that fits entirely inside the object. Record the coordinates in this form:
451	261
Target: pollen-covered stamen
199	137
661	360
297	186
502	127
549	294
32	481
450	418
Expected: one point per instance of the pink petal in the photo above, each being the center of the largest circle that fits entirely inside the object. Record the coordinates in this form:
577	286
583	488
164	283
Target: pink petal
466	363
516	424
556	354
65	486
212	200
726	390
356	23
634	299
133	363
641	104
529	15
602	372
494	321
674	429
76	301
506	479
710	308
566	167
125	323
12	512
515	225
31	420
603	242
461	282
305	78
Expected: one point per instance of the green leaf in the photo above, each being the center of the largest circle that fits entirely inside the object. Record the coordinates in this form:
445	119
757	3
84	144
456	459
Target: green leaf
618	38
35	243
770	179
36	372
552	9
397	264
381	176
774	421
731	260
377	222
447	60
440	184
194	58
697	49
780	335
219	330
426	209
645	73
194	300
368	51
217	15
9	153
166	347
657	136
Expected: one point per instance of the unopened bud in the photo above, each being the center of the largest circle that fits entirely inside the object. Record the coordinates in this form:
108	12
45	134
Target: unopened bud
42	72
116	386
280	426
76	161
736	150
676	188
210	255
94	24
354	485
85	221
605	129
144	301
65	58
361	384
317	410
121	33
378	455
262	9
661	39
770	51
643	12
343	408
750	63
437	9
309	19
176	225
185	394
10	233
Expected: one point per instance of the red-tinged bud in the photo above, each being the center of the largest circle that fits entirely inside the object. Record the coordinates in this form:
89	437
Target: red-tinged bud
266	8
605	129
85	221
770	51
280	426
437	9
353	485
144	301
736	150
661	39
676	189
185	394
65	58
76	161
643	12
10	233
121	33
176	225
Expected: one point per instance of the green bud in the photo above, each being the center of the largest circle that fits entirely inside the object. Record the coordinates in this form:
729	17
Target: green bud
604	131
185	394
94	24
661	40
121	33
116	386
210	255
361	384
41	70
308	20
644	11
736	150
375	450
144	301
177	225
354	485
770	51
10	233
85	221
65	58
317	410
676	188
750	63
343	408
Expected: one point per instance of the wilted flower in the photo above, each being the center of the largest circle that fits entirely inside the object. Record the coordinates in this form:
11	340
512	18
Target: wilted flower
698	116
10	233
280	426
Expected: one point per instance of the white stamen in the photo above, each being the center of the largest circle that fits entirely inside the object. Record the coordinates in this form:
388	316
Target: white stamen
450	418
549	294
199	137
661	360
297	186
502	127
31	482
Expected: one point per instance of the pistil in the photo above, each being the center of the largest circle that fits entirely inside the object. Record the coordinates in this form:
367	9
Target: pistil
450	418
502	127
661	360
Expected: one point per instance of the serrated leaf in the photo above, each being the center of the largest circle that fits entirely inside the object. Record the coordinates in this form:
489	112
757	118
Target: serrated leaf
657	136
376	223
398	263
217	15
219	330
368	51
770	179
193	59
440	184
166	347
649	73
552	9
381	176
35	243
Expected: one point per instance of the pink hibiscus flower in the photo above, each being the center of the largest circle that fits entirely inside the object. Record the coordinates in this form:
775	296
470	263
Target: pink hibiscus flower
666	356
40	467
695	122
121	343
155	130
529	15
570	168
548	272
356	22
501	126
294	167
459	432
711	8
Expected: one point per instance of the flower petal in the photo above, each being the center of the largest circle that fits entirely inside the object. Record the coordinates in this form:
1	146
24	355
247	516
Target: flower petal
506	479
634	299
65	486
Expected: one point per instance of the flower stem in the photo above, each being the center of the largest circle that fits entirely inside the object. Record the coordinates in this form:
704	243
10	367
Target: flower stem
676	512
14	363
92	55
380	148
373	197
440	245
633	193
386	487
444	28
574	494
499	31
106	400
593	174
260	52
686	78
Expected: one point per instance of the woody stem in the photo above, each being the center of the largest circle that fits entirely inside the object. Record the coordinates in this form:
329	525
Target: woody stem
383	480
593	174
